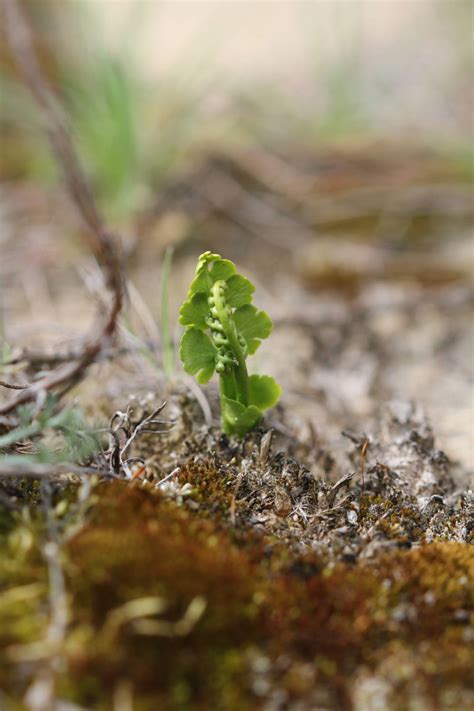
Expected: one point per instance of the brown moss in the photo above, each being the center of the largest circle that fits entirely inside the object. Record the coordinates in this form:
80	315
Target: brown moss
317	624
159	549
286	617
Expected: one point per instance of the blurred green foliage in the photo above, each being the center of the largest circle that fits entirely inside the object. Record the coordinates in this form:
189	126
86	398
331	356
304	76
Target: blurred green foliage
104	103
52	436
134	134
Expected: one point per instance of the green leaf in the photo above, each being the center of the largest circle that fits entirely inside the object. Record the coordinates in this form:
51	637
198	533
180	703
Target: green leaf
239	291
202	283
198	354
204	259
222	269
253	325
264	391
195	311
238	419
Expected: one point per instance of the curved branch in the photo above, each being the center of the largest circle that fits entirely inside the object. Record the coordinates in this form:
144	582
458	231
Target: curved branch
103	243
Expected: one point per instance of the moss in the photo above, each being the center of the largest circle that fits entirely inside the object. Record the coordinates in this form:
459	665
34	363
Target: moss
23	590
159	549
280	622
325	621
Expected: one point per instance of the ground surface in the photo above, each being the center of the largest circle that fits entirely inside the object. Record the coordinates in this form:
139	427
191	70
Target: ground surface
301	568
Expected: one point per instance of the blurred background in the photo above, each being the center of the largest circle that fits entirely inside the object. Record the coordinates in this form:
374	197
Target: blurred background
326	147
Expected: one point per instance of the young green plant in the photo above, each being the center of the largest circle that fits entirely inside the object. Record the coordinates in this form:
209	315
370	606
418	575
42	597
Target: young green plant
222	329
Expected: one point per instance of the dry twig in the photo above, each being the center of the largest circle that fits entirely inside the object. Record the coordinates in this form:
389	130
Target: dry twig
38	470
101	240
12	386
122	424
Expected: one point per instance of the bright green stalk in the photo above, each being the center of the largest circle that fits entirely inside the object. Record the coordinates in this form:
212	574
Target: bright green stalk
223	315
222	329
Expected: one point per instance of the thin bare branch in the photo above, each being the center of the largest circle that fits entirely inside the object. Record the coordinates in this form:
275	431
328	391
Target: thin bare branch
101	240
11	386
34	470
121	423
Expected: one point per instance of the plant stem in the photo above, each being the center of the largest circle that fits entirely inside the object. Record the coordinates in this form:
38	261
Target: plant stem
240	373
